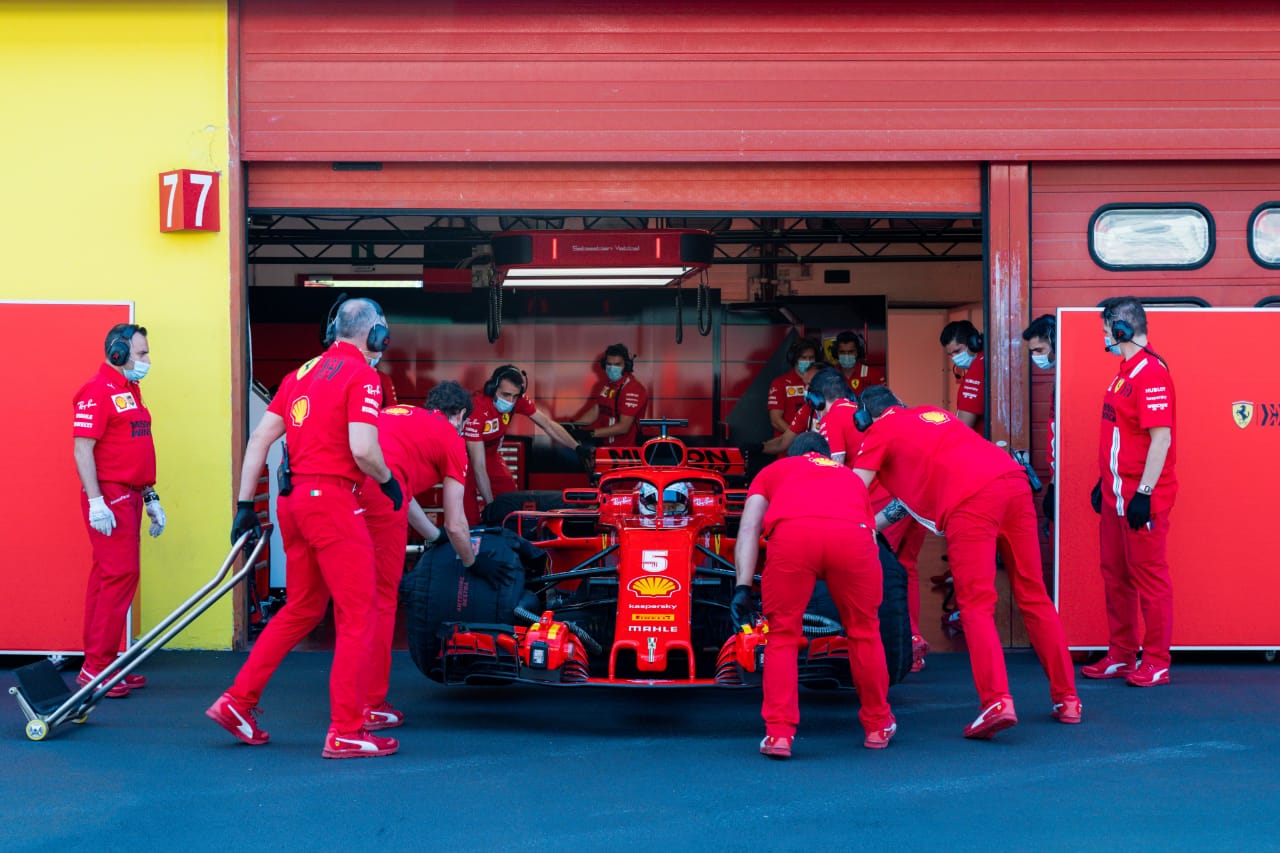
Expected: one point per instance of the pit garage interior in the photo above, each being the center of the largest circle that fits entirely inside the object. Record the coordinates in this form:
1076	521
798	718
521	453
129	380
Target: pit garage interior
904	258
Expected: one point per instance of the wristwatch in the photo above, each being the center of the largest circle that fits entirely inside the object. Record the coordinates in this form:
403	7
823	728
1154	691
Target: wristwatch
1146	490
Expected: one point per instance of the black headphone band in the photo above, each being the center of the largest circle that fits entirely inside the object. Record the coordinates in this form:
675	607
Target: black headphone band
119	345
506	371
628	358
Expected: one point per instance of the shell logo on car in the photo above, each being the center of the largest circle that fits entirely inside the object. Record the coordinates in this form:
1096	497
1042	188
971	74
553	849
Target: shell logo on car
654	586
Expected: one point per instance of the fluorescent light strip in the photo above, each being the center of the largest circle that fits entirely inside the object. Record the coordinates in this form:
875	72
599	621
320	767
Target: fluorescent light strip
660	281
598	272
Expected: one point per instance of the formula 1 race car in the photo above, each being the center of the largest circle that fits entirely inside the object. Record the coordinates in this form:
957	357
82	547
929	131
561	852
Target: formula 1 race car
628	584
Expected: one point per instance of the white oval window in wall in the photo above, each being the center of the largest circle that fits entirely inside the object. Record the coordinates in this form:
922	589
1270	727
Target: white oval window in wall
1134	236
1264	235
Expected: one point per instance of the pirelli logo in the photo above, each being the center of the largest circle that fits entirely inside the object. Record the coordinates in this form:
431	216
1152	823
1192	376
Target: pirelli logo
653	617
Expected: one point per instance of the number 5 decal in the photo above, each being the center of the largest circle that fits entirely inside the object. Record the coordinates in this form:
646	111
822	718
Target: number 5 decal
653	561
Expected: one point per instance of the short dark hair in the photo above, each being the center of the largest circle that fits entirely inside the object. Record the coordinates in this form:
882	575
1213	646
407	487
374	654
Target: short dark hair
1127	308
620	351
809	442
450	397
1044	327
854	338
830	384
958	331
876	399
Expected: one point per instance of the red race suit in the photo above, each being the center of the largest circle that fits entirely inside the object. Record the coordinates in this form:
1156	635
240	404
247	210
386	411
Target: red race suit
326	542
819	525
1135	565
421	448
957	483
109	409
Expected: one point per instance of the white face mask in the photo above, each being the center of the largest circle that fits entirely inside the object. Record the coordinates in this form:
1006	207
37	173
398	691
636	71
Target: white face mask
613	372
962	360
503	406
802	365
1041	360
139	370
848	362
1112	346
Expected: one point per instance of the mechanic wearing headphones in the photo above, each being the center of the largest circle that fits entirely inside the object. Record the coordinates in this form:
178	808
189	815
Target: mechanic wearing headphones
1040	339
831	397
786	393
1134	495
502	398
963	344
616	402
328	411
964	487
422	447
116	461
817	518
851	355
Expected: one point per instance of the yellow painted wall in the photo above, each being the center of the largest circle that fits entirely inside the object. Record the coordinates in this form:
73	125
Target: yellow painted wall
98	98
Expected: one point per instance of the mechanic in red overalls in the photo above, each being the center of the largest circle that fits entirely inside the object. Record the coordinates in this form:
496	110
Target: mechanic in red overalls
1040	340
786	393
960	485
963	344
616	402
422	447
851	356
116	460
328	412
831	397
1136	488
503	397
817	519
803	420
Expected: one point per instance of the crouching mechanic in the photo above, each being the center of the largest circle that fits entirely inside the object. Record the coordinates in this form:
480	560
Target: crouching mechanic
960	485
817	518
422	447
328	411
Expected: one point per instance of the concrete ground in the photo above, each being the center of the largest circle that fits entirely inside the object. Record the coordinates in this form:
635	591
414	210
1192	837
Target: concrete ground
1193	766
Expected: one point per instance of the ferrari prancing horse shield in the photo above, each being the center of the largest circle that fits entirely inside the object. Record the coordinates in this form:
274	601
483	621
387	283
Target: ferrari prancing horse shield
1242	411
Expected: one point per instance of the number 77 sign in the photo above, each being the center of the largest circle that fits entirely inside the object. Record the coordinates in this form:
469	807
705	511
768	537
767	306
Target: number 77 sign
189	201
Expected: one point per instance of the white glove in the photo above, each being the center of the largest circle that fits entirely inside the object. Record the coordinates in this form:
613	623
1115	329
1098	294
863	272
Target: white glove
156	514
101	518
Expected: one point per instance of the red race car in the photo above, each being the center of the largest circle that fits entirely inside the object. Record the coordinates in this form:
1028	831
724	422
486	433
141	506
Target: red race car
628	584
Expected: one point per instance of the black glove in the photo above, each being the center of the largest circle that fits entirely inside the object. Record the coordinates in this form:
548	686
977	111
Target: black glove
246	521
391	489
1138	511
740	608
1047	503
1095	497
495	574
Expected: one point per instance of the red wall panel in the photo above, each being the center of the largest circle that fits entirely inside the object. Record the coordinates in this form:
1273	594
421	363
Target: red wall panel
1065	195
762	80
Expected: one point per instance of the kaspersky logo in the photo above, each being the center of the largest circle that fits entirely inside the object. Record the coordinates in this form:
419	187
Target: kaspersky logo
654	586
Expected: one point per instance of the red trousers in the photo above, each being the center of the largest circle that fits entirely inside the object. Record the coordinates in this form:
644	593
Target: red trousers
113	579
846	556
906	537
1003	515
1135	576
389	530
329	553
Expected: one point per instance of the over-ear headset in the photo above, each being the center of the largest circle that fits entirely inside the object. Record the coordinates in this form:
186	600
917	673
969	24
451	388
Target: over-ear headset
379	339
119	345
507	371
975	341
862	420
1121	331
628	360
817	401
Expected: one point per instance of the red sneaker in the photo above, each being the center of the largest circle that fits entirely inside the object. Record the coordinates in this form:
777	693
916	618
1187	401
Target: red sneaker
879	739
1068	710
382	716
996	717
1148	675
237	719
358	744
130	682
776	747
119	691
919	648
1108	667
